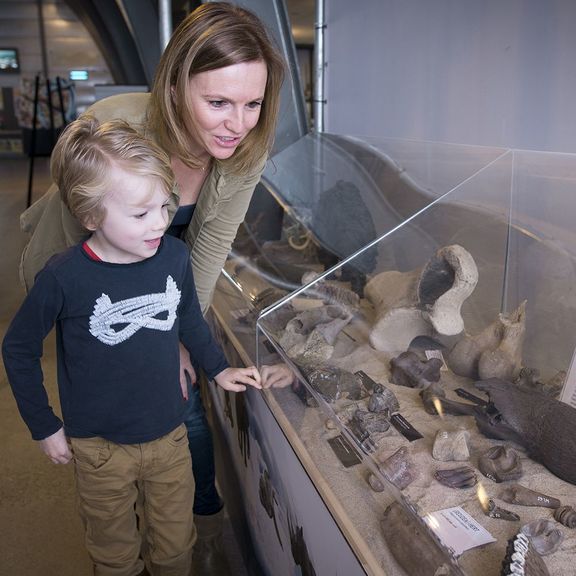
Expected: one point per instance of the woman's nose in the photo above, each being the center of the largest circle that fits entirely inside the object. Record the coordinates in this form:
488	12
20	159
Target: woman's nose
235	121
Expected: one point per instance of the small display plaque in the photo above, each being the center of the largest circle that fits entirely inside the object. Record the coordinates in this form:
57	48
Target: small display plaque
344	450
569	390
457	530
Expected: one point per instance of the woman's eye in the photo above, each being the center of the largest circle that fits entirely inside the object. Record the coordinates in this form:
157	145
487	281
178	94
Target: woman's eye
254	105
217	103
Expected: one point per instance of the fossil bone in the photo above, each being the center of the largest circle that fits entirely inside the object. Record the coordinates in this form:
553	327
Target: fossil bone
496	352
522	496
451	445
422	302
566	515
409	370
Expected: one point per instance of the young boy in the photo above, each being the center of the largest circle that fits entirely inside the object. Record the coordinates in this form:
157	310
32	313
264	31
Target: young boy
121	302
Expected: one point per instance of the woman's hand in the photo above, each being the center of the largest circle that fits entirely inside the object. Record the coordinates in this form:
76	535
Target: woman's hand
186	371
276	376
236	379
56	447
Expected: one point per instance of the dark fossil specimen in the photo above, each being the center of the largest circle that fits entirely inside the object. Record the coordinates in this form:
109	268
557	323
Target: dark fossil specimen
500	463
545	427
333	383
413	546
566	515
383	400
408	369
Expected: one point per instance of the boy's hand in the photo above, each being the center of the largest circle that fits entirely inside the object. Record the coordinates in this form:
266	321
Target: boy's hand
233	379
56	448
186	368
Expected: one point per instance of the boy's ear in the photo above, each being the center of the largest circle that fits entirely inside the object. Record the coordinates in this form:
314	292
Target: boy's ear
90	224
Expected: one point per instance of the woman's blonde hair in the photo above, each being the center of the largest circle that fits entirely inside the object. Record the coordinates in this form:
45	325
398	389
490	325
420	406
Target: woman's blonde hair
86	152
213	36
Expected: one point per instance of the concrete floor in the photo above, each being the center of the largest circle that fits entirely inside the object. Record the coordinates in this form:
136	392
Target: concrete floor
40	531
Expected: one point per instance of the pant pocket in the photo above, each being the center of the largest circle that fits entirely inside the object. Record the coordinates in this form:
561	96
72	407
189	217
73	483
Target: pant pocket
91	453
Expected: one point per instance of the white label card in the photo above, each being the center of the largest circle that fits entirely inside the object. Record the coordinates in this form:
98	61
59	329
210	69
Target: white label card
569	390
458	530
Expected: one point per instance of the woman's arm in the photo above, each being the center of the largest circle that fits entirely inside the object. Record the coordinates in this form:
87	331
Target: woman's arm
220	210
53	229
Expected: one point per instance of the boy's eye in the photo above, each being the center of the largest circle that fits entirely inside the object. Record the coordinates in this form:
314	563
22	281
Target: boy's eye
139	216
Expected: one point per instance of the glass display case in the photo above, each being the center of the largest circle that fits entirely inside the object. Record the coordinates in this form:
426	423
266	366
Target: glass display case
411	307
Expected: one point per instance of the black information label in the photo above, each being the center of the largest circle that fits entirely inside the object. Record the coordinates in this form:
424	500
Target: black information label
344	450
465	394
368	383
404	427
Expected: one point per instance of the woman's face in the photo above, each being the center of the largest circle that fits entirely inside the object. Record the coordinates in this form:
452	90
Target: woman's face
226	105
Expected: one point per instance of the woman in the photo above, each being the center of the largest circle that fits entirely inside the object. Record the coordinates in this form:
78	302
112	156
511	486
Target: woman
213	108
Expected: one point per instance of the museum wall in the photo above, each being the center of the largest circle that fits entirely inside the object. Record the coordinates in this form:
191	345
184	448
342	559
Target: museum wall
490	73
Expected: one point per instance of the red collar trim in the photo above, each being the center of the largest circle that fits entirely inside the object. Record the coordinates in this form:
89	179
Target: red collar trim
91	252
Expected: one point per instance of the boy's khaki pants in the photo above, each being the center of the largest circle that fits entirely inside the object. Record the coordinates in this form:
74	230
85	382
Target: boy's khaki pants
107	480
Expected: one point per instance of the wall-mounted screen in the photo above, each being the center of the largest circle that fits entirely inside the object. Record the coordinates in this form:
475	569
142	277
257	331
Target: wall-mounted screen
9	60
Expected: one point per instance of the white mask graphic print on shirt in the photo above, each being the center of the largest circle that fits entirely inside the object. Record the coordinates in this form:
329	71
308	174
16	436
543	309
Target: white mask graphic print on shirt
134	314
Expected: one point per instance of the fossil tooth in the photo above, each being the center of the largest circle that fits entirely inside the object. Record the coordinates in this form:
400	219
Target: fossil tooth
544	535
494	511
500	463
518	494
462	477
566	515
522	559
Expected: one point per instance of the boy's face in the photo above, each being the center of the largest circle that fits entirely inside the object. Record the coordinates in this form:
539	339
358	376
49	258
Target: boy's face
136	216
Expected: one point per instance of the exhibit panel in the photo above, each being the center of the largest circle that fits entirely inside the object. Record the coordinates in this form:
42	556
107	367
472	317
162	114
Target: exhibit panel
416	361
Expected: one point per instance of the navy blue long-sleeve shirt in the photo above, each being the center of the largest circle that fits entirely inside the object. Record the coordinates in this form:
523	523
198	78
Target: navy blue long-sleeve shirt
118	328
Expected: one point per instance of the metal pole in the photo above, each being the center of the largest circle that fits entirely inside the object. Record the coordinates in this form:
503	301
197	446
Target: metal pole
42	31
165	7
319	58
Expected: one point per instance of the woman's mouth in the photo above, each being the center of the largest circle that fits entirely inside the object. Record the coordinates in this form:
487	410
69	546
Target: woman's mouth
228	141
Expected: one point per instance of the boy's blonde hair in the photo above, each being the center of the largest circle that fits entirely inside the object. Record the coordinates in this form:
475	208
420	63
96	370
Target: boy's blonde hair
213	36
84	156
